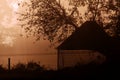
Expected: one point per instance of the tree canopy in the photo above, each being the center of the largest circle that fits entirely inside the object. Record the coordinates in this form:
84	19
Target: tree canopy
55	20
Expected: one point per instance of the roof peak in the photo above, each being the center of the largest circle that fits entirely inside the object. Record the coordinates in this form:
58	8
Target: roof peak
89	36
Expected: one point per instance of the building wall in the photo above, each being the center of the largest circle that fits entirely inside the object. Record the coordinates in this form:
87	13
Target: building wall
69	58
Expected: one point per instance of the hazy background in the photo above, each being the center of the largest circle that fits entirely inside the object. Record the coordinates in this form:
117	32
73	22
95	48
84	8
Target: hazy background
20	48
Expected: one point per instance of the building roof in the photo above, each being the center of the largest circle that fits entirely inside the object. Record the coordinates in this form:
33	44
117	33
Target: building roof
90	36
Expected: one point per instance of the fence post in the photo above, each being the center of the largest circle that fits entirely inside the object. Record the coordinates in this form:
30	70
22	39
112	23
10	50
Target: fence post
9	64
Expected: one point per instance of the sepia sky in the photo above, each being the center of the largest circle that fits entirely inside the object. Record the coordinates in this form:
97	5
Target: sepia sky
10	40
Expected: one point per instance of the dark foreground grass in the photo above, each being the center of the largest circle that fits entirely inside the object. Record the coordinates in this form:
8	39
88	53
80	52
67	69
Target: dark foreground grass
34	71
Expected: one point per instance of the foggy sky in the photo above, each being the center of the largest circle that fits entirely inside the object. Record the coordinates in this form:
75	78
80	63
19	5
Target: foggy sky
10	40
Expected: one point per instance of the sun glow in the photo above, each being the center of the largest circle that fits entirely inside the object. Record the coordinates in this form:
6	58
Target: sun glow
8	41
8	22
14	5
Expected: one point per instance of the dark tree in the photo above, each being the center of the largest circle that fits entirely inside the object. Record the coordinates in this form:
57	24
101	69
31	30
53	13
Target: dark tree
118	28
105	12
54	21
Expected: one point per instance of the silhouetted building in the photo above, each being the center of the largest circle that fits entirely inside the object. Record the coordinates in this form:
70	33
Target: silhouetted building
89	39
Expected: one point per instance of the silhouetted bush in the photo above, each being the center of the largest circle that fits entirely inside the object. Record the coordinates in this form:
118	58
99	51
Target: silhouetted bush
19	68
29	67
33	66
2	69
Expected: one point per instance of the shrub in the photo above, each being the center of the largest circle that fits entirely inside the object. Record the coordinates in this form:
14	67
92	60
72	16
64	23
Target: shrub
33	66
29	67
19	67
2	69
